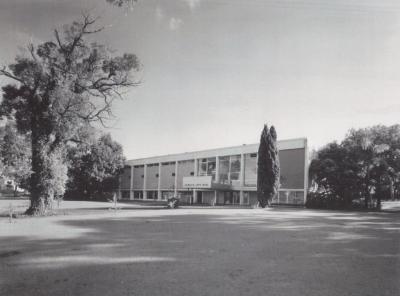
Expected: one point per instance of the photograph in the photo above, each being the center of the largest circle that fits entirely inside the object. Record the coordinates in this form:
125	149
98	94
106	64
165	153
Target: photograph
199	147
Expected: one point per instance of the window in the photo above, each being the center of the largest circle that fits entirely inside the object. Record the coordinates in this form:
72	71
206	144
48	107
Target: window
173	174
157	175
207	167
138	195
235	167
231	198
224	170
246	198
151	194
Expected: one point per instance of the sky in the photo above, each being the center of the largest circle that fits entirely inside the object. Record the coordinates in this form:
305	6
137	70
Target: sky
215	71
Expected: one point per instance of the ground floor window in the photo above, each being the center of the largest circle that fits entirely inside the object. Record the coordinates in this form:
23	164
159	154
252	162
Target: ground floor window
125	194
231	197
167	194
186	197
246	198
138	194
151	194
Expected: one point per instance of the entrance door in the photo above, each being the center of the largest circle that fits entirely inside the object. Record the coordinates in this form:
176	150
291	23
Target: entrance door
199	197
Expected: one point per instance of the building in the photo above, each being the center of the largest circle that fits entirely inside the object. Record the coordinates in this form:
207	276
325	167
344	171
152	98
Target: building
225	176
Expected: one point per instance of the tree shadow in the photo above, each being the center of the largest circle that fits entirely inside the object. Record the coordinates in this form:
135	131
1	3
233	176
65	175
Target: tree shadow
200	252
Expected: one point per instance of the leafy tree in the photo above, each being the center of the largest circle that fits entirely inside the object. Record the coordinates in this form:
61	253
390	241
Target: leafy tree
268	167
95	168
58	87
15	156
335	172
365	165
121	3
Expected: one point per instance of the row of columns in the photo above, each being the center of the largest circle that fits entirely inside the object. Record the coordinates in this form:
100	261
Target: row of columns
159	191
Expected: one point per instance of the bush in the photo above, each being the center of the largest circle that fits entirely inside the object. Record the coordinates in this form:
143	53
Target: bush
172	203
323	200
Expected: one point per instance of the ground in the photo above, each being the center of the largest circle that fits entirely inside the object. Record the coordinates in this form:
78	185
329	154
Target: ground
140	250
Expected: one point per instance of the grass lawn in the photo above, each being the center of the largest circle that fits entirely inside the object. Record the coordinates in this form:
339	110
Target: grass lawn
153	251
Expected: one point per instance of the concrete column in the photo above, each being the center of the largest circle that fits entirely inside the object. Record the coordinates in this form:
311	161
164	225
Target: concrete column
131	196
241	196
217	169
159	193
241	177
145	182
176	179
229	171
195	174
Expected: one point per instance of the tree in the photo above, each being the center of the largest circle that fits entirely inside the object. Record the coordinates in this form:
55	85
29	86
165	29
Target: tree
335	172
95	168
121	3
366	164
371	148
58	87
15	156
268	167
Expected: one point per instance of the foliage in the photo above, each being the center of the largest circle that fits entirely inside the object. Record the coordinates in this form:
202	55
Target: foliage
173	203
323	200
15	155
268	167
94	168
121	3
366	165
60	86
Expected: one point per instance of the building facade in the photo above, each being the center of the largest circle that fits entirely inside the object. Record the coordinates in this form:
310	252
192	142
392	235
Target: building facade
225	176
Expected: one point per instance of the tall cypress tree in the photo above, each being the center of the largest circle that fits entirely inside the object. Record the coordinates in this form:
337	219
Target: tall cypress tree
268	167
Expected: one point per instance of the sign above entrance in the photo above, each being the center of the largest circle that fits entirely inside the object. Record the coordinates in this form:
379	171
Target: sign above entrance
197	182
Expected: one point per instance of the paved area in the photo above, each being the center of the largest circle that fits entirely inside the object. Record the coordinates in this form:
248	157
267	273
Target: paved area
148	251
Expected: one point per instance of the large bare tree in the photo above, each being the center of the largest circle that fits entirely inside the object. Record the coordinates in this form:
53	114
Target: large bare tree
56	88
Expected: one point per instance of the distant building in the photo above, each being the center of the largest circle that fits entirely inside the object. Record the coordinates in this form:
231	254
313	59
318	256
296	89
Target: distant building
6	183
225	176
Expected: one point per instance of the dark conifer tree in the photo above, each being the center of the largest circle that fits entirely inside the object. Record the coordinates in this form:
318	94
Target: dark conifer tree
268	167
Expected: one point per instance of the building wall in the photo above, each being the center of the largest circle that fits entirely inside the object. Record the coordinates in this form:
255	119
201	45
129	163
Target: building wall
151	177
138	175
292	168
126	178
167	178
185	168
292	163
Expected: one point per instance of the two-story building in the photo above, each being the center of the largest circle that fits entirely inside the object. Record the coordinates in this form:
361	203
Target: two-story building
224	176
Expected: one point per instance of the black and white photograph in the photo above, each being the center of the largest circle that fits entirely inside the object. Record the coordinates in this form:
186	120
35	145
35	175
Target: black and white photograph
199	147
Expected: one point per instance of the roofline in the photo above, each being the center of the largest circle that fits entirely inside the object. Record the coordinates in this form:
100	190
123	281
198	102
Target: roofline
287	144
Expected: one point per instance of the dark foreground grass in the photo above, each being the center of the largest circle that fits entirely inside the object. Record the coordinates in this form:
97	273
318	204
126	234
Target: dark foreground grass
202	252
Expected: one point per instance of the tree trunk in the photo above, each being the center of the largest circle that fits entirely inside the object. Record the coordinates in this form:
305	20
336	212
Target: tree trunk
367	191
391	189
40	198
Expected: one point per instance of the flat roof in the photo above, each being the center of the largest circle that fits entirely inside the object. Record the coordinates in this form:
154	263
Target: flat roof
297	143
